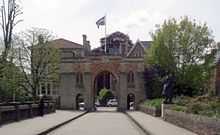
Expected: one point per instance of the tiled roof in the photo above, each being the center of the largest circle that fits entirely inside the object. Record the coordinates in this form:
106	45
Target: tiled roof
63	43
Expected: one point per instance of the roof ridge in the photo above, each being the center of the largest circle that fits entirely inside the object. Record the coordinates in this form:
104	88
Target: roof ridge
67	41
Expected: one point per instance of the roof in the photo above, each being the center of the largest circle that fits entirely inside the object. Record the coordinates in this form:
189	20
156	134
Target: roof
134	46
146	44
116	34
63	43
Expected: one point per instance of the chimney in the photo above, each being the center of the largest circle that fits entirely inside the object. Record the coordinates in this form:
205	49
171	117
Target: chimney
86	43
84	39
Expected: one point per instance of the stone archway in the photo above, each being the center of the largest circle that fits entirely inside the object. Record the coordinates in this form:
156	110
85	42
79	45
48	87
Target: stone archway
79	102
105	80
130	101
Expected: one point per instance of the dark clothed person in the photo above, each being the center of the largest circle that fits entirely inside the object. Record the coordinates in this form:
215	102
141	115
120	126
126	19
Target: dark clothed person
168	89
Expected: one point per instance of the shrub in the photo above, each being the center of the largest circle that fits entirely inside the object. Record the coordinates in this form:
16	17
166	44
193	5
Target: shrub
201	105
154	103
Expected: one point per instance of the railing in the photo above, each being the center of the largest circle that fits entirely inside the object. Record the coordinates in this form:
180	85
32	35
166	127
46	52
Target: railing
18	111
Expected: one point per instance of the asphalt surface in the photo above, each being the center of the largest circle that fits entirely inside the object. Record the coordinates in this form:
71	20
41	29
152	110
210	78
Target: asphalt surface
103	122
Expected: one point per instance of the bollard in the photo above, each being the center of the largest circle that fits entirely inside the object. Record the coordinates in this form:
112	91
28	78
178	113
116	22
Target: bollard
162	110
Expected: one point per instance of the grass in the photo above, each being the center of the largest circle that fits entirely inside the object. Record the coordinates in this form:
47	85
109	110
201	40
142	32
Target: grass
154	103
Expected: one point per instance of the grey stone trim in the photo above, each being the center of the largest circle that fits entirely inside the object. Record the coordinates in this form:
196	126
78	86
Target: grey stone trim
199	124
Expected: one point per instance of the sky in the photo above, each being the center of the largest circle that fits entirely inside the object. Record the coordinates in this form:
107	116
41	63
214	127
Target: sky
70	19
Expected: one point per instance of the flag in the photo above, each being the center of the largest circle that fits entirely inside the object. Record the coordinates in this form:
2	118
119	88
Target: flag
101	21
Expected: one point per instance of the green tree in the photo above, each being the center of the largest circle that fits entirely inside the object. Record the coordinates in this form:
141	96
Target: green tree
104	95
38	60
10	88
185	49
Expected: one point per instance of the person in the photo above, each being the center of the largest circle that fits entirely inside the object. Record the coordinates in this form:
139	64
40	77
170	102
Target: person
168	89
41	106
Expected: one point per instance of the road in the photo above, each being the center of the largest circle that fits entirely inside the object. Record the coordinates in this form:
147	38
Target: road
100	123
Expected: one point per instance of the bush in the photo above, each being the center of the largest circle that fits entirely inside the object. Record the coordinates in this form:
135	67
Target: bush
154	103
201	105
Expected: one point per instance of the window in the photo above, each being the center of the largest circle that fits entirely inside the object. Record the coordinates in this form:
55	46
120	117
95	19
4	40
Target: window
130	77
79	79
74	54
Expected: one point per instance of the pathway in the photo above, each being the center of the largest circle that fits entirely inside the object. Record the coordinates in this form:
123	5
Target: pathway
157	126
38	124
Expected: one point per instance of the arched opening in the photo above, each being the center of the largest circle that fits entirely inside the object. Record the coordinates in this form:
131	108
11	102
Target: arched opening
105	90
130	101
80	105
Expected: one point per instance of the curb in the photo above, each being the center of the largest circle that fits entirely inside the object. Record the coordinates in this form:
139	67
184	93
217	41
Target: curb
61	124
138	124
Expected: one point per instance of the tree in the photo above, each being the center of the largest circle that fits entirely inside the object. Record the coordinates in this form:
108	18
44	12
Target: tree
10	11
153	81
10	88
104	95
38	60
185	49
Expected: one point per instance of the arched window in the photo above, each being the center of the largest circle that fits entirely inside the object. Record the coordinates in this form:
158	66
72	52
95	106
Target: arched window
79	79
130	77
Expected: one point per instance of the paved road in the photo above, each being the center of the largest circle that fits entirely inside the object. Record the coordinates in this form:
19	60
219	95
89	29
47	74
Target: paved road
100	123
38	124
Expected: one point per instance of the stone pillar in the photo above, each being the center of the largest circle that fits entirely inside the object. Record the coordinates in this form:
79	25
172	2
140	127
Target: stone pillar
122	106
17	112
66	91
89	93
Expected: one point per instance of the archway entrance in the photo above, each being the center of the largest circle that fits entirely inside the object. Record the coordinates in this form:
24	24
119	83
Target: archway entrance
130	101
105	90
80	105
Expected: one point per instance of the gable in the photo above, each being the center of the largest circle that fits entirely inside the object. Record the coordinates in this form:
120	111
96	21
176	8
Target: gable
137	51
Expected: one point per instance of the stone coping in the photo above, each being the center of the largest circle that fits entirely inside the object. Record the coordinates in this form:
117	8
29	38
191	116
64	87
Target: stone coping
202	125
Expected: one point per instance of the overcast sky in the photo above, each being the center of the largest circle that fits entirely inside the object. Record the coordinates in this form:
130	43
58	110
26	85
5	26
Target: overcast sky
71	18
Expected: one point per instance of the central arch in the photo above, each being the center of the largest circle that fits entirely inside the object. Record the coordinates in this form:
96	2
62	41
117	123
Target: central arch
105	82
